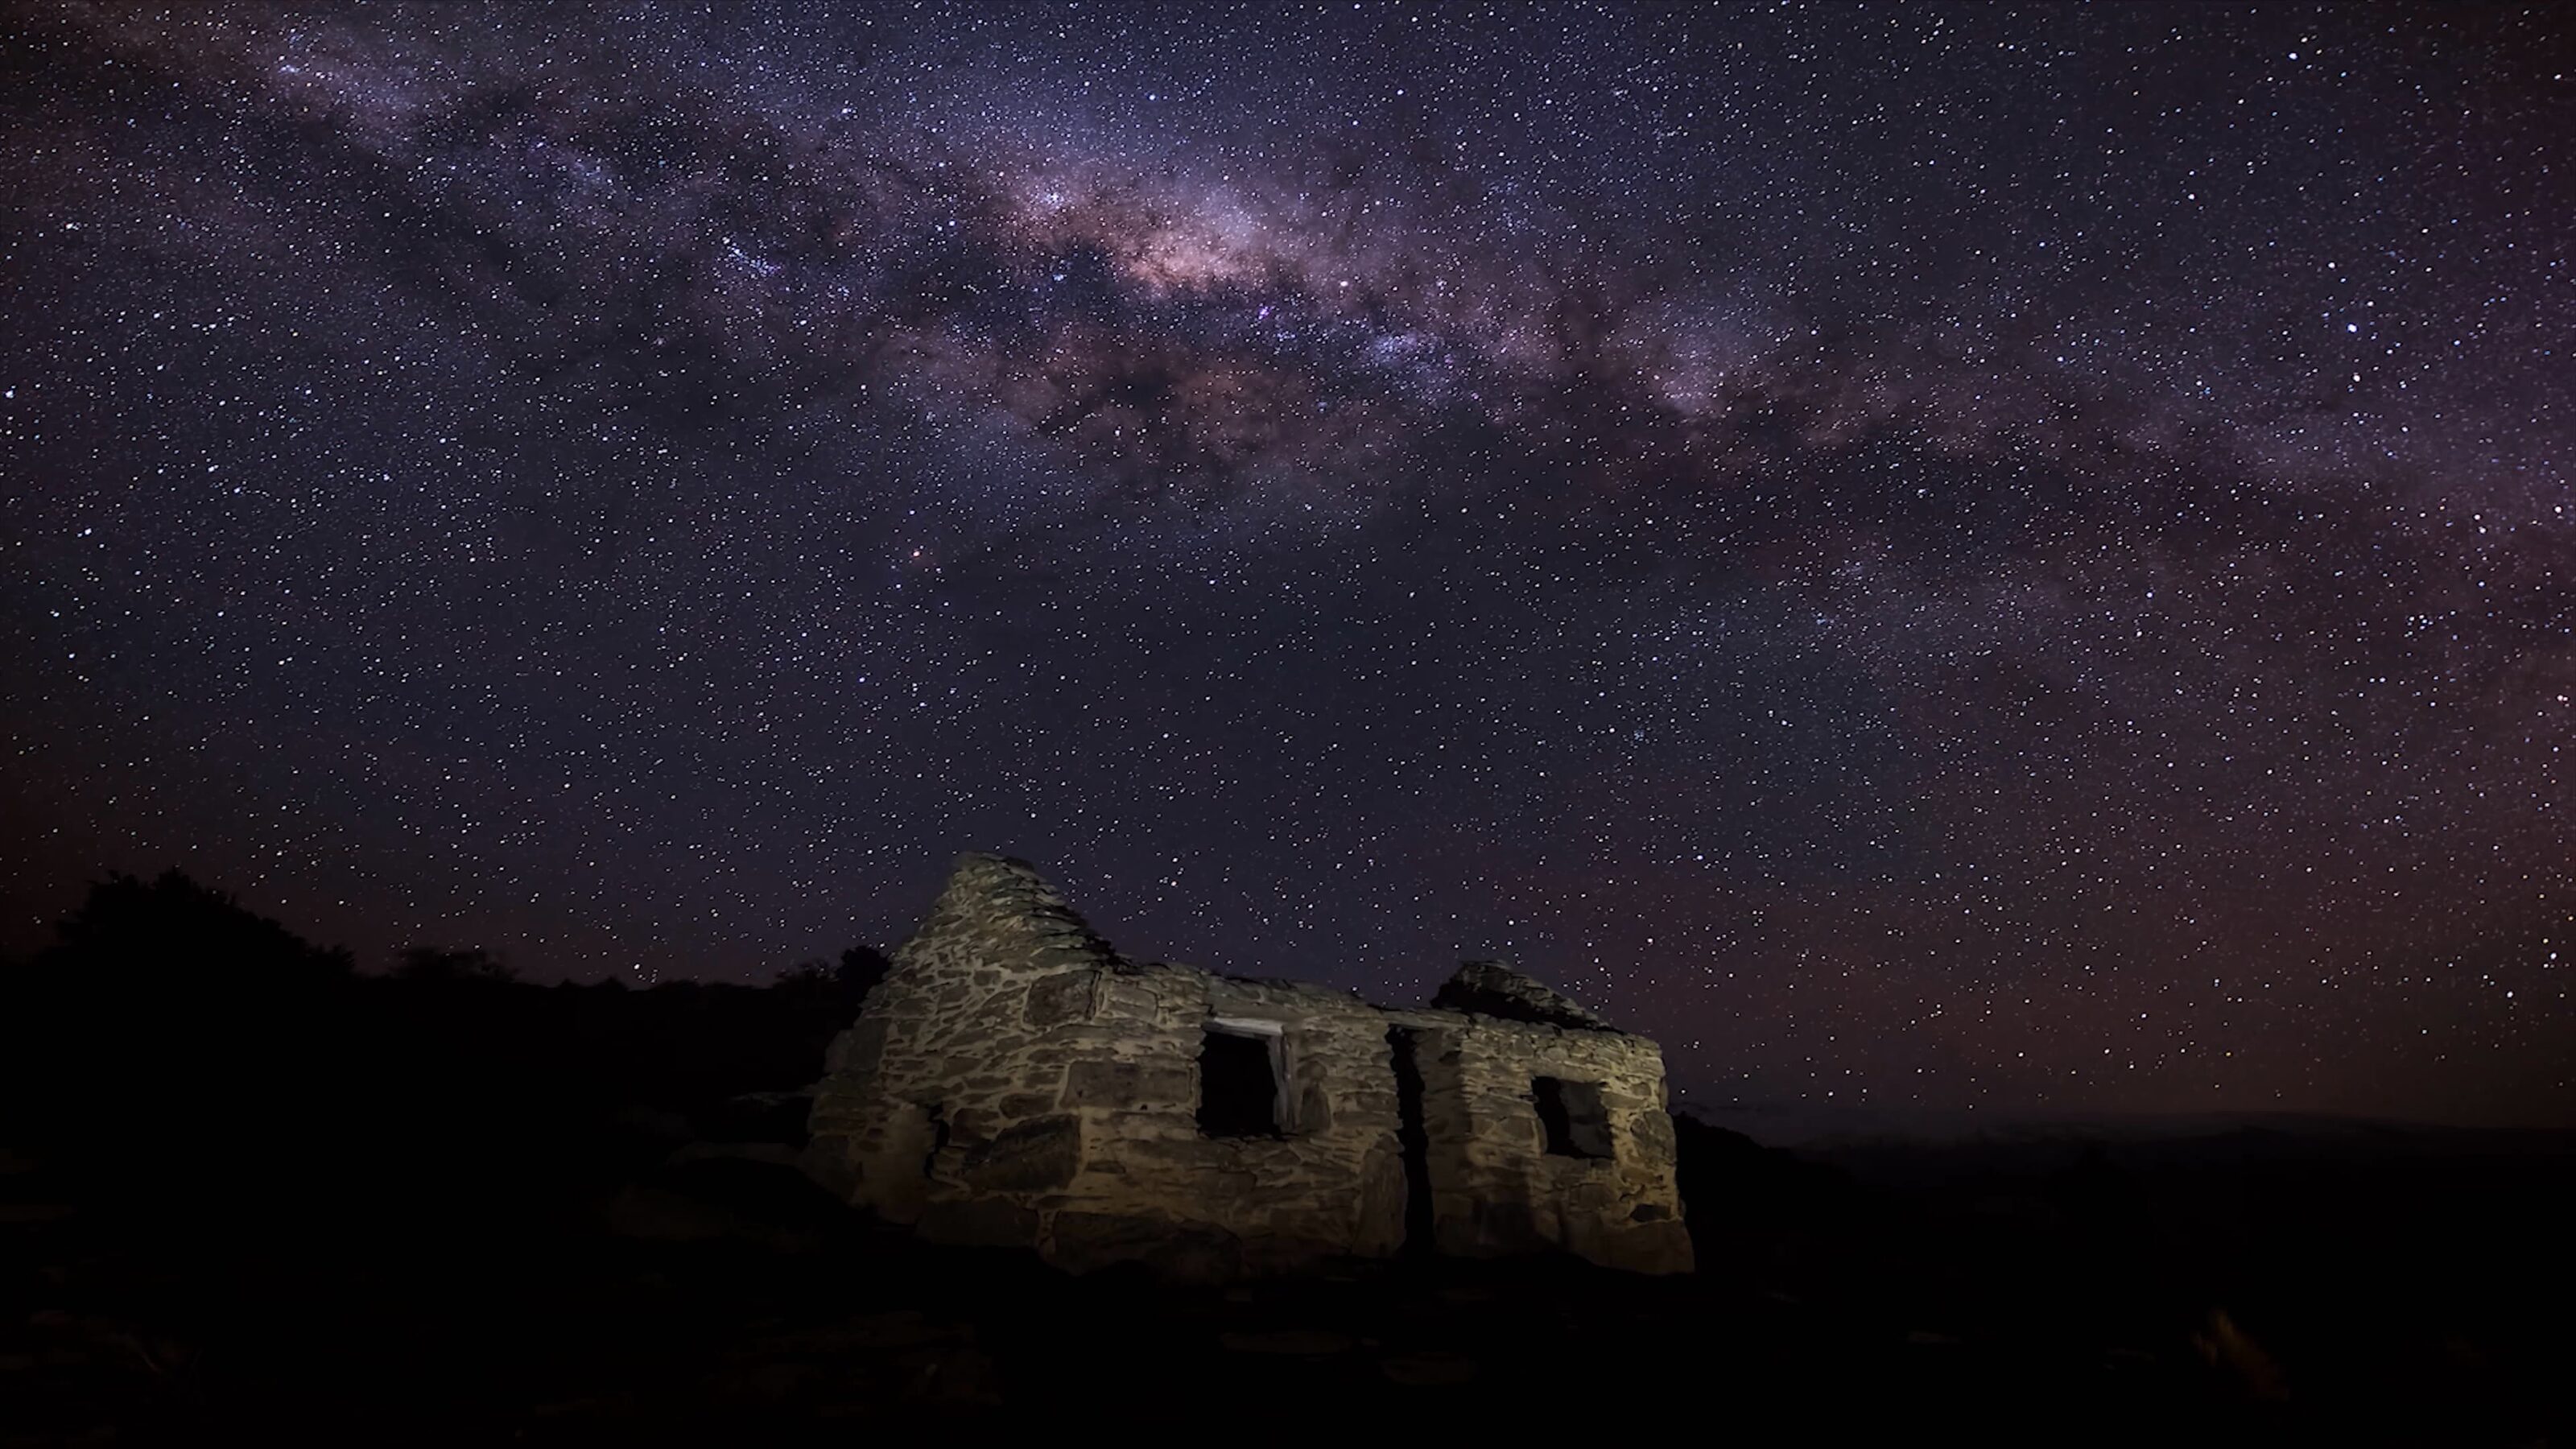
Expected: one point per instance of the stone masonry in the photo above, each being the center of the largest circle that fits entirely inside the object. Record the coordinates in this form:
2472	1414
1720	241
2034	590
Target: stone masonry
1014	1081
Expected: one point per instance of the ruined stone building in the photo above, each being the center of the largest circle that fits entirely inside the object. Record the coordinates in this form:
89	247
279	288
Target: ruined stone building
1015	1081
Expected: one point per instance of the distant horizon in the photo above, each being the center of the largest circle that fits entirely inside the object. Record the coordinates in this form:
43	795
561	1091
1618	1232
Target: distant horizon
1772	1118
1788	1123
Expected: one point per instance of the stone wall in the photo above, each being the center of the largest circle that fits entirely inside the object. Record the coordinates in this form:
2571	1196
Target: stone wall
1495	1188
939	1107
1014	1081
1154	1187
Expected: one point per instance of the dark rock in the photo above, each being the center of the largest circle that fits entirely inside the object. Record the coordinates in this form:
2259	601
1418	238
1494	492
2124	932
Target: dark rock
1172	1251
1425	1370
953	1378
1301	1342
900	1328
979	1222
778	1117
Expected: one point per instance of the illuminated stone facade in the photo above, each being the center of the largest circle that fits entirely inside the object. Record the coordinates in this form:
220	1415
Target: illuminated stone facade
1014	1080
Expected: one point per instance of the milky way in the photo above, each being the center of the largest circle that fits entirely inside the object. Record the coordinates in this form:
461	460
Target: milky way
1943	559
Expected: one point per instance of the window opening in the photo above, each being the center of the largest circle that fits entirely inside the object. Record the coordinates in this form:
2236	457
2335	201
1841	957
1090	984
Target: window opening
1239	1084
1571	1113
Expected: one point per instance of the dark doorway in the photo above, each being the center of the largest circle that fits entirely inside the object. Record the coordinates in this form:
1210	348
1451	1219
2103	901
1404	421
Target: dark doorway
1238	1090
1415	1140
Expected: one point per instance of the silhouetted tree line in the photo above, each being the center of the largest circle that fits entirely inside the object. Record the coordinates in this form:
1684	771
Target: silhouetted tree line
185	1056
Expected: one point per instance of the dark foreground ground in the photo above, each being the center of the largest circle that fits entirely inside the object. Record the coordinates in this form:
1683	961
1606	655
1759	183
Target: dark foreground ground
248	1197
718	1302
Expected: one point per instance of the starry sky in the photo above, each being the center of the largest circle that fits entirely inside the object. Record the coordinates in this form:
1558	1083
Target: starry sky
1972	558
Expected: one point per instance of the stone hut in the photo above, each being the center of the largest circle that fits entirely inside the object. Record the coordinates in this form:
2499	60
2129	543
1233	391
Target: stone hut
1015	1081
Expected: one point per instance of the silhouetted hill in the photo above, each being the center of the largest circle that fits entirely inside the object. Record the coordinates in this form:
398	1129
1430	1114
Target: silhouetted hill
169	1034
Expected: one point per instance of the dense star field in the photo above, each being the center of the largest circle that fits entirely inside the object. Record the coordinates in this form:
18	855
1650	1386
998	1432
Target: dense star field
2013	559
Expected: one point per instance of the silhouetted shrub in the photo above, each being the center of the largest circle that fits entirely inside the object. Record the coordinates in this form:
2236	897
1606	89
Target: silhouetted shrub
172	932
440	963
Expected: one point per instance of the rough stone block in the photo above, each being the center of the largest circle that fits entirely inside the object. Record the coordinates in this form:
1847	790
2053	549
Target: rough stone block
1042	1153
1315	1109
1131	1001
1055	1000
1651	1133
1127	1086
857	1051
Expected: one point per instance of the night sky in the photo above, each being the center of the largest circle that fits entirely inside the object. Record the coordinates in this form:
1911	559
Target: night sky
1925	558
